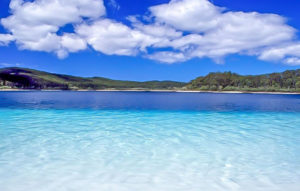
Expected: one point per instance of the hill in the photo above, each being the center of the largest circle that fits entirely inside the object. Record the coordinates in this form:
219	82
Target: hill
22	78
34	79
288	81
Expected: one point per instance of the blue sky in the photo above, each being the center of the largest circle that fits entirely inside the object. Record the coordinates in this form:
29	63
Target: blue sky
134	49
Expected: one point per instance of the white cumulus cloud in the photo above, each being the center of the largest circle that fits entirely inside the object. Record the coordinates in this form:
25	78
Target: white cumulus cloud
113	38
288	53
175	32
34	25
5	39
217	33
292	61
188	15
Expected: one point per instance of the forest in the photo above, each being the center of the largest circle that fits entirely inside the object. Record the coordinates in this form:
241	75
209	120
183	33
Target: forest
288	81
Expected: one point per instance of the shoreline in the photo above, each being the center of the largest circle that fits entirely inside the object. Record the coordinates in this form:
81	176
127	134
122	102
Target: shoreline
140	90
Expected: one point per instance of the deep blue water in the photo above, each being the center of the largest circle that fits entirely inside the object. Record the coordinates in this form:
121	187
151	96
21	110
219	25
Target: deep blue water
149	141
150	101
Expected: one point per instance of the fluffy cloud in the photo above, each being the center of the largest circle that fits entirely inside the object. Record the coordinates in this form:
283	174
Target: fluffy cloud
70	43
73	43
217	33
288	53
5	39
156	29
188	15
34	25
113	38
186	28
292	61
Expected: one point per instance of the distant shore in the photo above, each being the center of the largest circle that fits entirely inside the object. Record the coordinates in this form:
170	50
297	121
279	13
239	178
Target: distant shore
142	90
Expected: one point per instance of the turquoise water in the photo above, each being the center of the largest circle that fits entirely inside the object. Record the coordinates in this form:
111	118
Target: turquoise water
48	145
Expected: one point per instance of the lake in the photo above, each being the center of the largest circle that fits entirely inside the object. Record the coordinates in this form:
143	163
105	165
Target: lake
149	141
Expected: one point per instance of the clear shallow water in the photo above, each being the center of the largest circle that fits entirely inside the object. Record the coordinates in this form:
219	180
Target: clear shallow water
115	141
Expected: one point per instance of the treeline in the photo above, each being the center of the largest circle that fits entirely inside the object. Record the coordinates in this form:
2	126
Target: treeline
22	81
21	78
227	81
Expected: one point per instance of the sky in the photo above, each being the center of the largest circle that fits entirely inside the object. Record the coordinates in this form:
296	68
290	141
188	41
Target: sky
150	39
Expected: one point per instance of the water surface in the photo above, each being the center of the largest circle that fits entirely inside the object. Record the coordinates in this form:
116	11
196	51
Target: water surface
145	141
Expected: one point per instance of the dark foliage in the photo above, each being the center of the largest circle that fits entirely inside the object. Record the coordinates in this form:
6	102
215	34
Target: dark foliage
285	81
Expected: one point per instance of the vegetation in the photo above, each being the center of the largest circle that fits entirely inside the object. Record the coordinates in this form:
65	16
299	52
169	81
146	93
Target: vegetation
33	79
288	81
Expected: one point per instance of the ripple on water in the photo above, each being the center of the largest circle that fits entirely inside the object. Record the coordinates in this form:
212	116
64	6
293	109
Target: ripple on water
148	150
